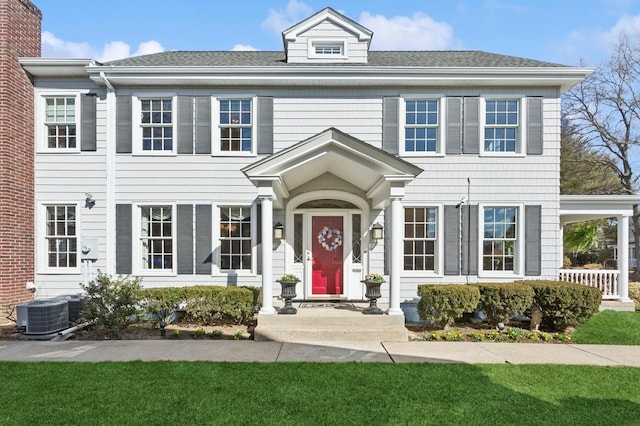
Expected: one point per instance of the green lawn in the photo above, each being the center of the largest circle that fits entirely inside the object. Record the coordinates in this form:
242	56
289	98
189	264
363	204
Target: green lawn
170	393
610	328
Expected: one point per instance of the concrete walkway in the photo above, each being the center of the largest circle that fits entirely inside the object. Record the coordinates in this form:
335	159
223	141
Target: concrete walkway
251	351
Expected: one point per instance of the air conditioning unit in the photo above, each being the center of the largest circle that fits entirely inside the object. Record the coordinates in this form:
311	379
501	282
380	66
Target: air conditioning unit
75	306
43	316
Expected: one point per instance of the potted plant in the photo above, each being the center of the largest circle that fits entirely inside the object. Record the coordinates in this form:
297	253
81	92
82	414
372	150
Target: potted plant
288	292
373	282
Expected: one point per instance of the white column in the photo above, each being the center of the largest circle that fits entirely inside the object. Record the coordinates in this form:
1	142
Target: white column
396	256
267	256
623	257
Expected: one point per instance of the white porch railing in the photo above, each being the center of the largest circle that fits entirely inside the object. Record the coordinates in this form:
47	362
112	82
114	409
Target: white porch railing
605	280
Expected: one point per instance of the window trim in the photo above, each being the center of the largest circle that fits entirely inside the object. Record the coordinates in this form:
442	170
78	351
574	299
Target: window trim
312	43
440	128
215	126
136	250
136	127
518	259
215	235
438	271
42	145
521	134
42	250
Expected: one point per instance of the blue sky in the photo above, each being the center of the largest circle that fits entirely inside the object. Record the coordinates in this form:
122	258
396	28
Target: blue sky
570	32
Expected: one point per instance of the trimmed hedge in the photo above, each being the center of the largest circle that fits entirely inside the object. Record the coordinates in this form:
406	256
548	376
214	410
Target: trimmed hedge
204	304
634	293
564	304
501	301
444	303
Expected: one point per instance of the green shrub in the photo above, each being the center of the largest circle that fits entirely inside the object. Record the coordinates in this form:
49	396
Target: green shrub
502	301
205	304
634	293
443	303
565	304
111	302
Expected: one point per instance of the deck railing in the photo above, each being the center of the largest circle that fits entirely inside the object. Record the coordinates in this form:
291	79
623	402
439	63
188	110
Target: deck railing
606	280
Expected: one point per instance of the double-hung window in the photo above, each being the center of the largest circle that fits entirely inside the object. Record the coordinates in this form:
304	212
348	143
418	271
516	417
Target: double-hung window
500	239
235	126
420	238
421	127
235	238
157	125
501	125
61	236
157	244
58	128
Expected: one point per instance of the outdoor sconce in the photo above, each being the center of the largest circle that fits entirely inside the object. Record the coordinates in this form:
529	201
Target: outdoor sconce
377	232
89	202
278	232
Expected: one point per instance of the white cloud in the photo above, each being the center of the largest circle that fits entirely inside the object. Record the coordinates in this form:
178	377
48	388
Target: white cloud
280	20
244	47
53	47
418	32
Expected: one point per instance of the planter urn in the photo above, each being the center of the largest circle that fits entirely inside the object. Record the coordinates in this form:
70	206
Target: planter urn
373	294
288	293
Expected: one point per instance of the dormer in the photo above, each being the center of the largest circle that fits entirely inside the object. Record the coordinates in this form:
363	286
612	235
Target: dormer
327	37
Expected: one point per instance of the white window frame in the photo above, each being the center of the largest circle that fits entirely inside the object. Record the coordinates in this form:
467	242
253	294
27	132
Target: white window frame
402	124
340	43
41	130
518	259
42	247
439	242
136	136
138	267
215	127
217	243
521	134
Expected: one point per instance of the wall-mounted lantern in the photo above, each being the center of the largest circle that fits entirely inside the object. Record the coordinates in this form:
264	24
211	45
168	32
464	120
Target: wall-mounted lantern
377	232
278	232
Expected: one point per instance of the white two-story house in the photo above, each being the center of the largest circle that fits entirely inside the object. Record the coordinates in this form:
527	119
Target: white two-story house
326	160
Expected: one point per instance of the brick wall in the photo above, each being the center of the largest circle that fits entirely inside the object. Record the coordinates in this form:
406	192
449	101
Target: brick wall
20	23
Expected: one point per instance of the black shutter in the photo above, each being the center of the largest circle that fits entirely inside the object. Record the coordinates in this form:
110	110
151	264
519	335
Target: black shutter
185	239
203	125
265	125
454	126
390	142
123	238
534	126
88	122
471	129
185	125
203	239
123	124
533	240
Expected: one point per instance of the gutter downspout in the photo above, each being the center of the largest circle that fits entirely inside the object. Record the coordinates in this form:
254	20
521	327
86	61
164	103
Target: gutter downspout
110	158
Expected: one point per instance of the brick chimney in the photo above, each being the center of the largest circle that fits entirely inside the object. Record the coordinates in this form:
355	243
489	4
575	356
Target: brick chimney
20	28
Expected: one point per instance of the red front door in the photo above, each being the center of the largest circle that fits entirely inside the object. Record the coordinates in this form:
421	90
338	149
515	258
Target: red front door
327	234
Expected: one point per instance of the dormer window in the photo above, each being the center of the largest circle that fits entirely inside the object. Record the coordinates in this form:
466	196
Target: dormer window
327	49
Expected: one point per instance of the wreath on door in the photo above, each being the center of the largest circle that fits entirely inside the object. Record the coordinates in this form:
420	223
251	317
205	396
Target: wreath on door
329	238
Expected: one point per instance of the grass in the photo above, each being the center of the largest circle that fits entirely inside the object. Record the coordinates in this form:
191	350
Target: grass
316	393
610	328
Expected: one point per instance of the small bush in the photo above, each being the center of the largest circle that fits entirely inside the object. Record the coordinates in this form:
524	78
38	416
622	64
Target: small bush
502	301
443	303
565	304
634	293
111	302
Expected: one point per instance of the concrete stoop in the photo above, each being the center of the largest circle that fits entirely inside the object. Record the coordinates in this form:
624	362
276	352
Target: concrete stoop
326	324
617	305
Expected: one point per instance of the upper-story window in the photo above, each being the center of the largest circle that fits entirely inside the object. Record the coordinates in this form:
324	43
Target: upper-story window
156	123
58	124
501	125
421	126
236	118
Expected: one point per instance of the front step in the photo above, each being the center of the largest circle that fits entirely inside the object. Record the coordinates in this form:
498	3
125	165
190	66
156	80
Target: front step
330	324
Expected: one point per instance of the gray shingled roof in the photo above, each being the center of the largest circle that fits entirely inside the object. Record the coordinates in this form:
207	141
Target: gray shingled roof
436	59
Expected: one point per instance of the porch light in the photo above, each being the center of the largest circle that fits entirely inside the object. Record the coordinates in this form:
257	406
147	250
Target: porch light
278	232
377	232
